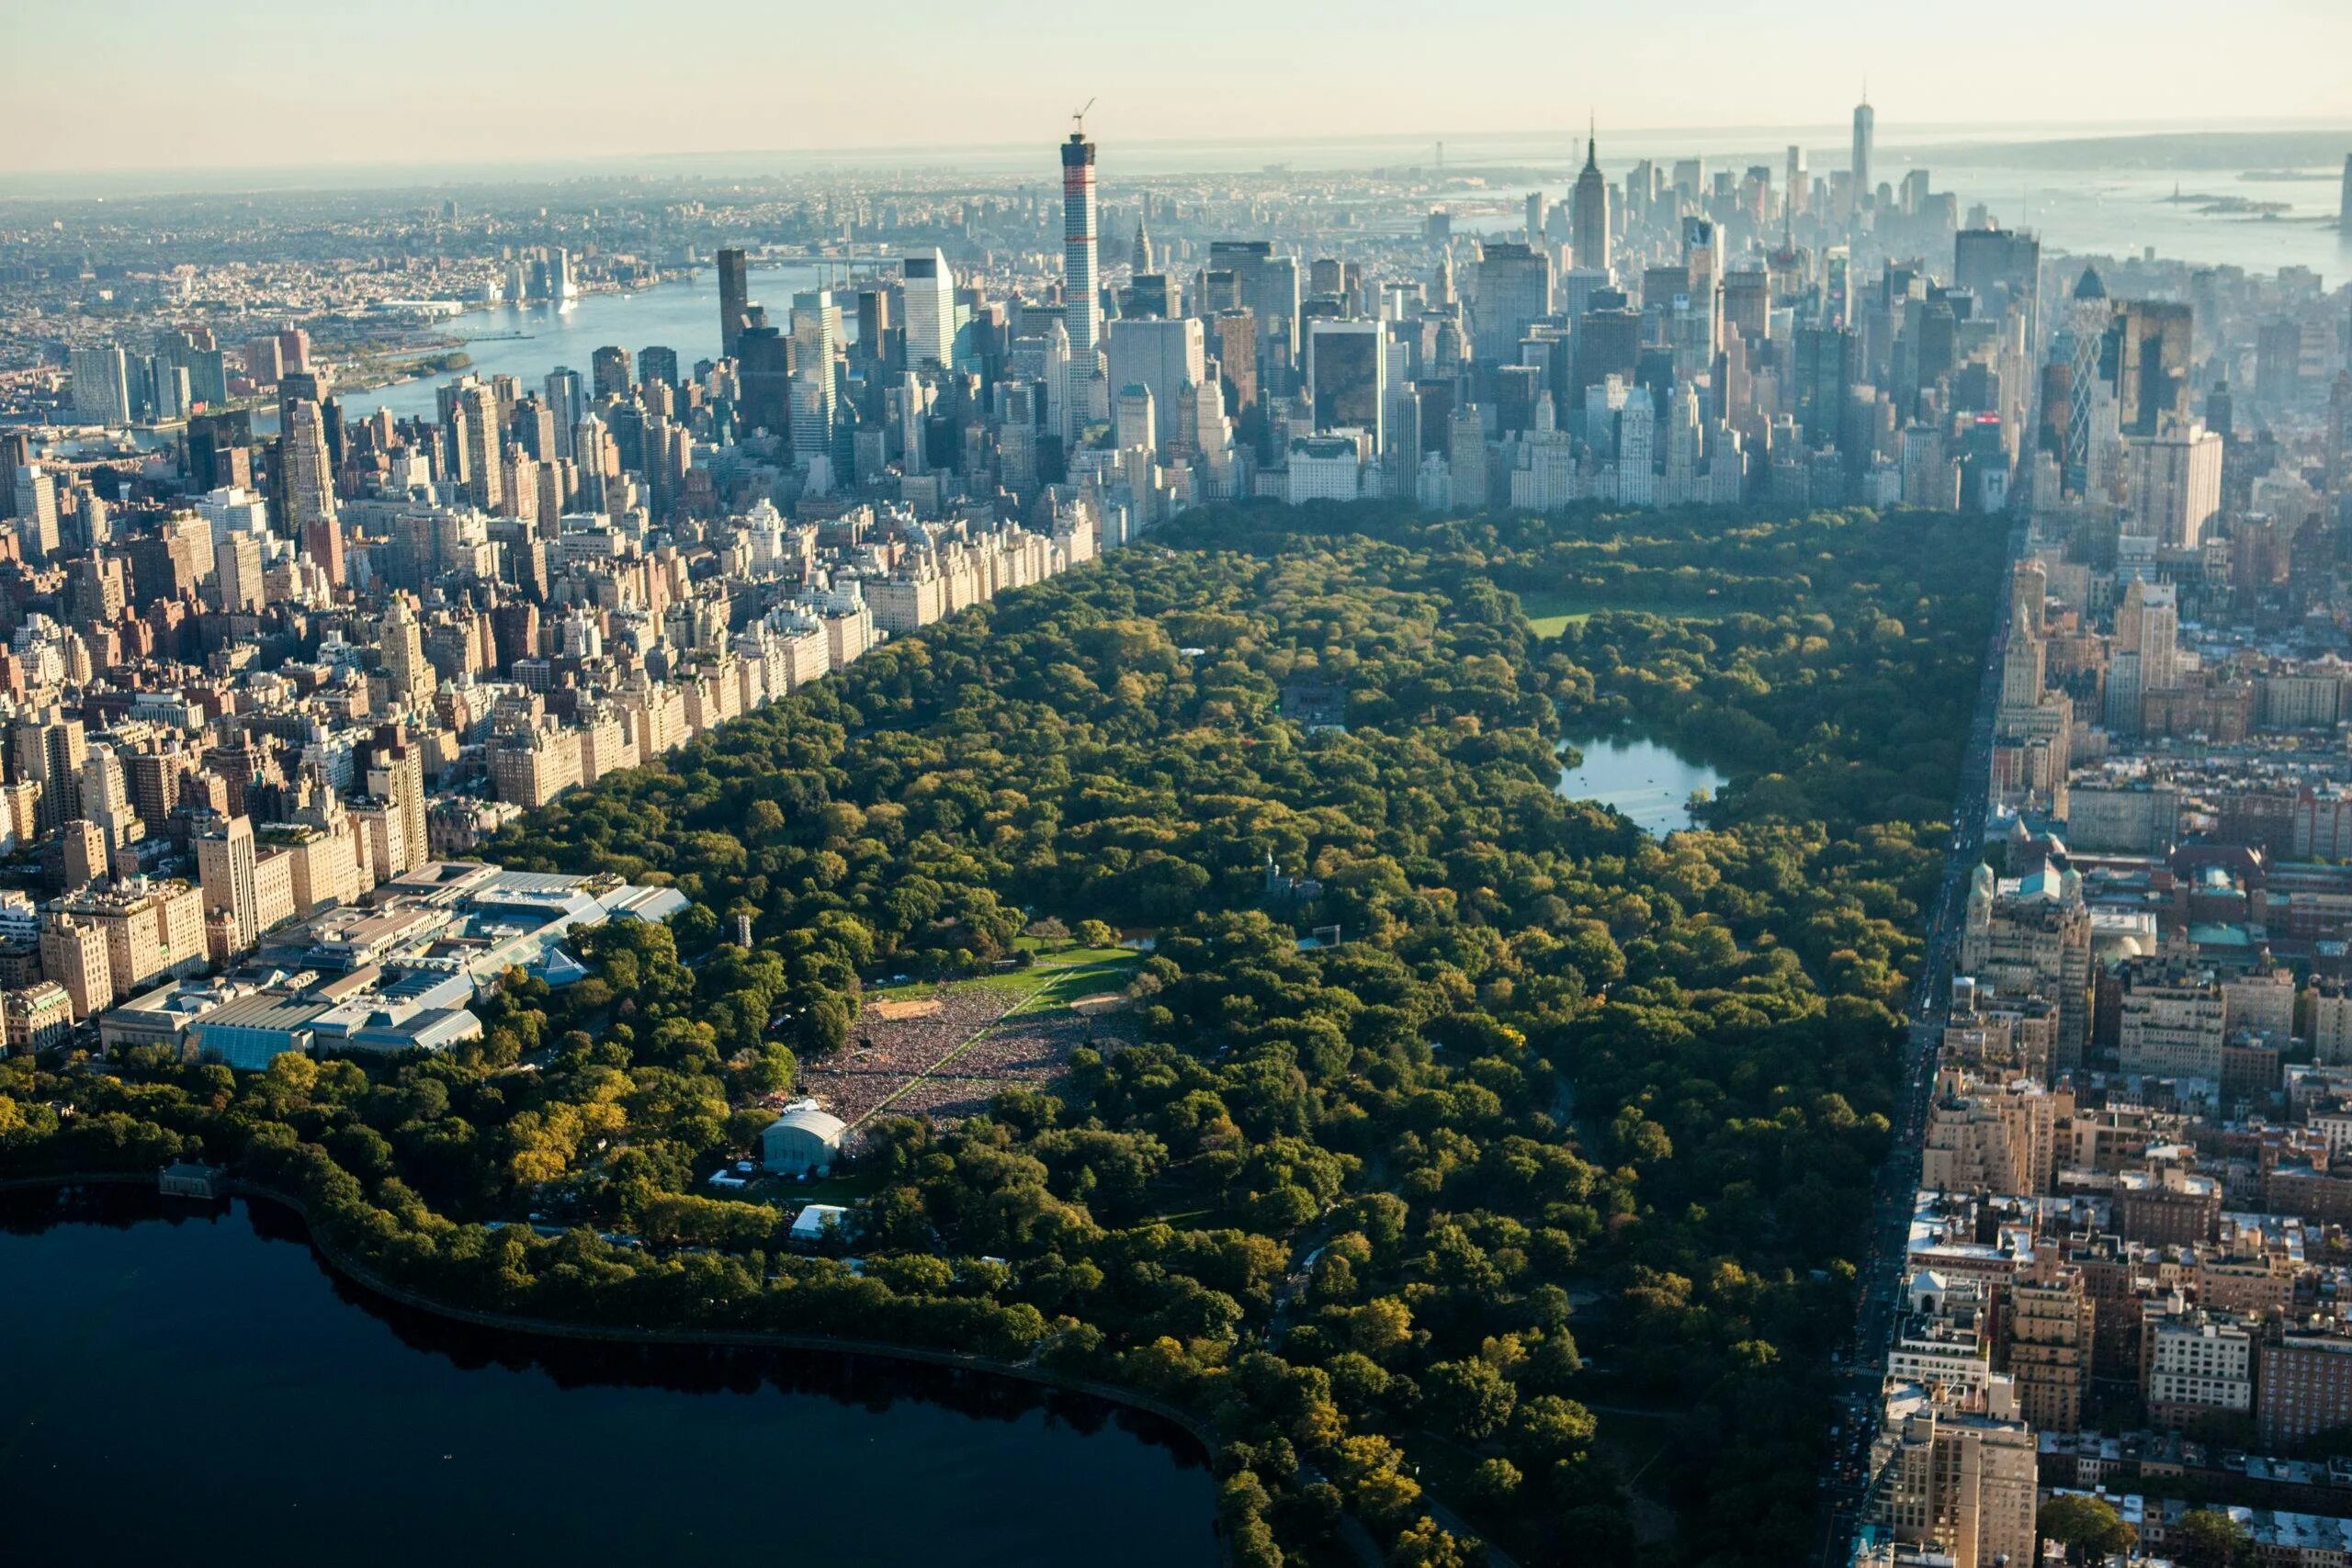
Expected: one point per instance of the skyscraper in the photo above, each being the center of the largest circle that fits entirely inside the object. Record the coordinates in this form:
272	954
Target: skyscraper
36	511
1865	133
1082	286
1346	369
1824	369
1514	290
1165	356
930	289
101	386
608	372
2344	209
658	364
306	484
408	678
812	395
1268	285
564	402
225	869
1588	212
2152	365
396	777
734	293
764	367
1994	264
481	438
2090	315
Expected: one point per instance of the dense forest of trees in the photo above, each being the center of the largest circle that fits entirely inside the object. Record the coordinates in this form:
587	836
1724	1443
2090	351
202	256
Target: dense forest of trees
1573	1117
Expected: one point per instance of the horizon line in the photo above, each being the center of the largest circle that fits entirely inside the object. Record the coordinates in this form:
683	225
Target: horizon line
2052	130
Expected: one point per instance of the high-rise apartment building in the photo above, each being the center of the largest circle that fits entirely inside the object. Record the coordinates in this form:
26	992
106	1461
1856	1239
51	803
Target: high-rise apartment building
396	781
101	386
2031	937
1081	282
409	679
237	574
2051	1322
2305	1386
224	866
2174	480
481	435
36	511
1961	1477
2172	1022
2199	1365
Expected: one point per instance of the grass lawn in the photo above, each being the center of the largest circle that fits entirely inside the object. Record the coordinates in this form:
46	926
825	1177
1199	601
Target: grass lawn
1550	614
1058	981
1054	980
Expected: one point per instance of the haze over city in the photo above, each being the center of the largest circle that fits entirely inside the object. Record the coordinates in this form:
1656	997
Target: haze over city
449	80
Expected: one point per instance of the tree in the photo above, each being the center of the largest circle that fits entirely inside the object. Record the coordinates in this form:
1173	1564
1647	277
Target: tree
1470	1400
1494	1482
1423	1545
1383	1326
1096	933
2209	1538
2088	1527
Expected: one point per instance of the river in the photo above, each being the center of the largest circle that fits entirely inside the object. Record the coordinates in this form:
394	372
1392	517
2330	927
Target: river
1645	782
189	1384
528	341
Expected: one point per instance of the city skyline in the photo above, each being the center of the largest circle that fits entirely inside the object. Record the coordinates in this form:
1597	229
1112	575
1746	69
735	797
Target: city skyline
362	109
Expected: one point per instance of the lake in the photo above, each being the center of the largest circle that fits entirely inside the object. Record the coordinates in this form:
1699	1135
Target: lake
1645	781
191	1385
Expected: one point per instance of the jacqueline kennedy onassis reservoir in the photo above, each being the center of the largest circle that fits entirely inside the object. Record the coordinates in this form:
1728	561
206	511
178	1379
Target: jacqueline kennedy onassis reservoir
188	1384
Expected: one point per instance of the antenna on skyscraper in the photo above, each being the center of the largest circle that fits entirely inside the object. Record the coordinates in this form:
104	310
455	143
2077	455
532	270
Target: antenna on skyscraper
1079	115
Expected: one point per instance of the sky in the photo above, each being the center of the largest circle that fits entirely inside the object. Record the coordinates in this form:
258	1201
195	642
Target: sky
166	84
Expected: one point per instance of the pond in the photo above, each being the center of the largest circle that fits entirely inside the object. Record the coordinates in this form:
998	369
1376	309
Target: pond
191	1385
1648	783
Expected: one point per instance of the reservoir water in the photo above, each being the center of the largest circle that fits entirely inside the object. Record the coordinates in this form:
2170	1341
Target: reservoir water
1645	781
190	1385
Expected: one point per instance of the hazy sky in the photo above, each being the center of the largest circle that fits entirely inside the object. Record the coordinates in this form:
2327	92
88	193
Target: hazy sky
165	84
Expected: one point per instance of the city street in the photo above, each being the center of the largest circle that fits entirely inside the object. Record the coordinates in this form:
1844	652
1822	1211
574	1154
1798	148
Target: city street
1846	1483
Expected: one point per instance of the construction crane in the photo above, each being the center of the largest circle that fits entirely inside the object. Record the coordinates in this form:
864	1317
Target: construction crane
1079	115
